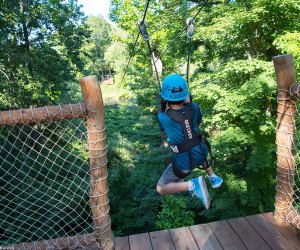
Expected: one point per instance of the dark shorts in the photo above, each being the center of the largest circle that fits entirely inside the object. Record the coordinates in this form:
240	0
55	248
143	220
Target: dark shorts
168	176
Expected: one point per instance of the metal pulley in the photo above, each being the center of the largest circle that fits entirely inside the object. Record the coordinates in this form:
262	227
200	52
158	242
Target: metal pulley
190	33
191	27
142	28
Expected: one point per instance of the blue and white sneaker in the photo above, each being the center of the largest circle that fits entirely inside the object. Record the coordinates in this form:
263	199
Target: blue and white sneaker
216	181
200	190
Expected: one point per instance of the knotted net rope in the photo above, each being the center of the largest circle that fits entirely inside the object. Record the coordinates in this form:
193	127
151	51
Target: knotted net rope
288	167
46	183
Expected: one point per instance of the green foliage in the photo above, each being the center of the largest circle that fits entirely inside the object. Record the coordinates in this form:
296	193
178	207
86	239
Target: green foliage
135	166
289	43
174	213
95	47
40	44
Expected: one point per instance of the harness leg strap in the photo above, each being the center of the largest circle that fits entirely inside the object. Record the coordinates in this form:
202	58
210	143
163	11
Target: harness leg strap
207	164
179	172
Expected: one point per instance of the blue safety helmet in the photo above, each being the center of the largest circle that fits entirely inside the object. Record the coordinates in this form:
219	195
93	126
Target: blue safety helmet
174	88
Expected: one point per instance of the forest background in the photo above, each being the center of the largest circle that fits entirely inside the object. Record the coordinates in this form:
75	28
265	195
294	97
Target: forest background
46	46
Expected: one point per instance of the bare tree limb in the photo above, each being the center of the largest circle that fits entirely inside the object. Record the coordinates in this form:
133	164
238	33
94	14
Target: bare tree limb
4	74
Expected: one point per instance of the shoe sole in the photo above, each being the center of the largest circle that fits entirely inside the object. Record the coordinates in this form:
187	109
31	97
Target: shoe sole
205	193
217	185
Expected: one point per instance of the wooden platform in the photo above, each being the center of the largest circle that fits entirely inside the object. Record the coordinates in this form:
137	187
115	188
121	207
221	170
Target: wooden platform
257	232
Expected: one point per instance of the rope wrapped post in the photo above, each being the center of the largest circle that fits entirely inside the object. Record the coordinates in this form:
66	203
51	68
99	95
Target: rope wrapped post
41	114
285	136
99	201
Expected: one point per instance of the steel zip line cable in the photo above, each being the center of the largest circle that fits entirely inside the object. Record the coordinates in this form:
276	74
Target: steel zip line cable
131	54
145	11
179	34
136	40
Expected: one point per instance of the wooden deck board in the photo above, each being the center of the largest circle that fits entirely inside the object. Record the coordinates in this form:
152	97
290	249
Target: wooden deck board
226	236
286	229
269	233
122	243
205	237
252	232
162	240
183	238
140	241
247	234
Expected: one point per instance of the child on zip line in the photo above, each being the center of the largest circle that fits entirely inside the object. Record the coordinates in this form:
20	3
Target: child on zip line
180	122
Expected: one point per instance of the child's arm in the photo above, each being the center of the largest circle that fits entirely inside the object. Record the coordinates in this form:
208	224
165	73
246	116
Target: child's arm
161	127
198	113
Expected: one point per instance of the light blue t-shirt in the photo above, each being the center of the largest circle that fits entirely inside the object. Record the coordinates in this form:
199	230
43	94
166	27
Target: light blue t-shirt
176	136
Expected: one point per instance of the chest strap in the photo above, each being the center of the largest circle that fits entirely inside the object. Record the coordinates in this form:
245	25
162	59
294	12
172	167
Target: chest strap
185	118
180	148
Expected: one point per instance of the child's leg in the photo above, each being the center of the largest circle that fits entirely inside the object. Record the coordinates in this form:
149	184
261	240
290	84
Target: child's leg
172	188
169	183
215	180
209	170
196	187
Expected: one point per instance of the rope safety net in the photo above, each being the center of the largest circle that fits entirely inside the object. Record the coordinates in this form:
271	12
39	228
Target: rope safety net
45	179
288	155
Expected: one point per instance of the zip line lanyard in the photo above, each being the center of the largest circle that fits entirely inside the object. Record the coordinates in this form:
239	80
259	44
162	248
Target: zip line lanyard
145	35
191	28
190	33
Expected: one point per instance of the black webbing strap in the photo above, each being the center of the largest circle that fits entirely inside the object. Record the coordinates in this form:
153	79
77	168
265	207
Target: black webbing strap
145	35
212	157
184	147
185	119
190	33
208	162
180	173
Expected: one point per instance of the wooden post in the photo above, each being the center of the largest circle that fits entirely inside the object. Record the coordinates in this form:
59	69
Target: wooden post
285	133
99	201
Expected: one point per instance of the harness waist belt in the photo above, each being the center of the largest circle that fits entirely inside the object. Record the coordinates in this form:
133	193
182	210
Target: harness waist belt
184	147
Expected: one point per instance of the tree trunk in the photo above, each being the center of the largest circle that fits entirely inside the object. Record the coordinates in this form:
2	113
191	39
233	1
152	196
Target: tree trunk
23	9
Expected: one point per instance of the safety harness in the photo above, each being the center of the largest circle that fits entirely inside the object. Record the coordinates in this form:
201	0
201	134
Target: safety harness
190	138
185	119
